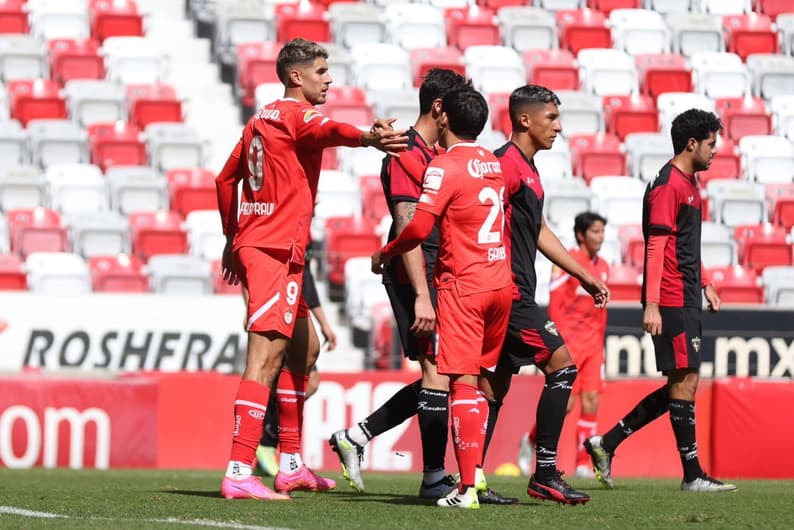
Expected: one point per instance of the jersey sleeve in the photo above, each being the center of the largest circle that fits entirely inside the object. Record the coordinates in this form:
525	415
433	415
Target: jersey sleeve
663	205
226	189
405	177
438	189
313	126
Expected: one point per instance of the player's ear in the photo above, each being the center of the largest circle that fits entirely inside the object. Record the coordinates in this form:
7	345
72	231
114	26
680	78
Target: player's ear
295	77
691	145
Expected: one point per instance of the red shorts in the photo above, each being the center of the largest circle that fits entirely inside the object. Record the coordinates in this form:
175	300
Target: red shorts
589	359
470	330
274	290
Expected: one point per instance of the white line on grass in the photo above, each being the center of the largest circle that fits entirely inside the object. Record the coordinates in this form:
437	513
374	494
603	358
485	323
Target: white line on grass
11	510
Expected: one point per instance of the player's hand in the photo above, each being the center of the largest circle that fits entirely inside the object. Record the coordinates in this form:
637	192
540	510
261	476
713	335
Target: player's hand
711	298
383	124
652	319
598	290
228	270
425	320
378	262
329	336
385	139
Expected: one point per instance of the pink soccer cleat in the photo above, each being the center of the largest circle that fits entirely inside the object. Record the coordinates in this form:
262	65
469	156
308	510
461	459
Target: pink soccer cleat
304	479
249	488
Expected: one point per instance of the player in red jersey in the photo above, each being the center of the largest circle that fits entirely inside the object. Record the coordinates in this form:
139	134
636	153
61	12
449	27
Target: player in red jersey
278	160
584	328
462	194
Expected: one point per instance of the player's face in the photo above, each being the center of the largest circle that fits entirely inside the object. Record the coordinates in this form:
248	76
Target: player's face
544	124
703	152
593	238
315	80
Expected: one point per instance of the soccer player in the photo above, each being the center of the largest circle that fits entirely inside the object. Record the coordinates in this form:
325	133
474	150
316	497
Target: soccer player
672	300
584	327
532	338
278	160
462	194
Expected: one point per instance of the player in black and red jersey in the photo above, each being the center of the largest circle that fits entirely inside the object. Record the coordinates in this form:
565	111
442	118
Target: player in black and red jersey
672	300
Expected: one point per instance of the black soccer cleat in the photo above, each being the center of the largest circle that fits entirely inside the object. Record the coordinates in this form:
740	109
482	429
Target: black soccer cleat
555	489
489	496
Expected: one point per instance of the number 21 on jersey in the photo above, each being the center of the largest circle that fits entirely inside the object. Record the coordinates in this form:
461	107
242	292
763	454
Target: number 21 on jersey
489	232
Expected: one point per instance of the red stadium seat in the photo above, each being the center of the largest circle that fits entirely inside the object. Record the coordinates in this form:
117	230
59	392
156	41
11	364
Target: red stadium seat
736	285
555	69
629	114
373	203
726	164
116	144
36	99
772	8
744	116
498	102
597	154
36	230
467	26
625	283
383	352
346	237
582	28
12	275
496	4
75	59
219	286
191	189
157	232
150	103
606	6
762	245
13	17
746	34
118	274
780	198
115	18
633	245
305	20
424	59
348	104
663	72
256	64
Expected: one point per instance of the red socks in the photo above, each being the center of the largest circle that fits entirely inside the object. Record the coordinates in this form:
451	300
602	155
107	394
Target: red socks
291	395
469	411
249	413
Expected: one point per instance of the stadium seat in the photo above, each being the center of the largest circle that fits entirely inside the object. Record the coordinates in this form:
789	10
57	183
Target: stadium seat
632	244
556	5
356	23
564	198
116	144
13	18
785	27
57	142
666	7
607	72
618	198
346	237
153	103
115	18
736	285
77	188
555	161
638	31
22	57
356	162
136	189
157	232
75	59
471	26
749	33
696	32
578	29
608	6
736	202
412	25
663	72
133	60
22	187
717	245
35	99
35	230
381	67
648	152
5	244
403	105
528	28
174	145
306	19
580	113
780	198
92	102
240	23
205	234
498	112
338	195
99	233
340	64
782	108
625	283
348	104
772	8
373	202
772	74
57	274
744	116
176	274
720	74
62	19
12	275
630	114
358	277
13	142
555	69
191	189
671	104
725	7
383	352
119	273
492	68
778	284
726	164
762	245
767	159
424	59
256	64
597	154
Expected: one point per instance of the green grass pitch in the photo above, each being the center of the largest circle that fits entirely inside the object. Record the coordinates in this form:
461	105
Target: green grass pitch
126	499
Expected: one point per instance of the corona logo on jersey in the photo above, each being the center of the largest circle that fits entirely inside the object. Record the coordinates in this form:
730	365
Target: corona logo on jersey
479	168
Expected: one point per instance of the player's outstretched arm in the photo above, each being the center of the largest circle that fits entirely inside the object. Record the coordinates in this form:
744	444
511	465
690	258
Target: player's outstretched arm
413	234
386	140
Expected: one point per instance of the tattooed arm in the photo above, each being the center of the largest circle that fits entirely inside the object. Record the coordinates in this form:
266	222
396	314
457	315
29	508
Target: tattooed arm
414	264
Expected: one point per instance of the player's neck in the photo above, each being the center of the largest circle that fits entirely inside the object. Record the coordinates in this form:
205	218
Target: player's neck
425	126
684	165
294	93
524	143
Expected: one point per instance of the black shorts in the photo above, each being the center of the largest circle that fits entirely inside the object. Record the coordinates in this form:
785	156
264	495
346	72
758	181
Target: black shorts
531	337
402	300
678	346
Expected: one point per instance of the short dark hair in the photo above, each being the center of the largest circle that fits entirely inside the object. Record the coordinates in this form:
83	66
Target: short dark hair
529	95
436	83
693	123
583	221
297	51
466	111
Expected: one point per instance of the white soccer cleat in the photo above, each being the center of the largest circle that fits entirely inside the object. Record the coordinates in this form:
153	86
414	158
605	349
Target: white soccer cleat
466	500
350	455
706	484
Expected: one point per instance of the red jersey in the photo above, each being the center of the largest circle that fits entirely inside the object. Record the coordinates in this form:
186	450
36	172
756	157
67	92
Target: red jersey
464	188
573	309
278	159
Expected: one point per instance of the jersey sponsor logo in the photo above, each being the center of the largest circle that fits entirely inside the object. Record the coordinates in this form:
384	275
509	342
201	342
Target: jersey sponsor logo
269	114
257	208
310	114
690	199
479	168
433	178
551	327
256	414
